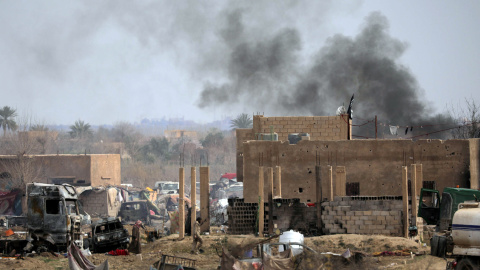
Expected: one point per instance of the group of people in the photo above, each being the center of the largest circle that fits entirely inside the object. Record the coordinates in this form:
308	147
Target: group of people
135	246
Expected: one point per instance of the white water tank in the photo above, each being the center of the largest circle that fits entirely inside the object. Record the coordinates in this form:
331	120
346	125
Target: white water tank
466	225
289	237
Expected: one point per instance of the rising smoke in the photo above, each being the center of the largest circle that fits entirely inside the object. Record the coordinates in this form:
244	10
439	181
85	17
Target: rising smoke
267	75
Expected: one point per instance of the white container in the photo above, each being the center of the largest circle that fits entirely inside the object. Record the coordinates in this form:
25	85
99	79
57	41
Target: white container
289	237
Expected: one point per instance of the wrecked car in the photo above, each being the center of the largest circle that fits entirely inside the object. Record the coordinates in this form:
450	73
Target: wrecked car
53	217
139	210
108	234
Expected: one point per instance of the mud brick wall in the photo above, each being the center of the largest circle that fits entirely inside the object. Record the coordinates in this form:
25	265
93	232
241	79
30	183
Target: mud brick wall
363	215
374	165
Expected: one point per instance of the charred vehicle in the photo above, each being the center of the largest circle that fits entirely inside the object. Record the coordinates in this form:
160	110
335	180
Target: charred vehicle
108	234
139	210
53	216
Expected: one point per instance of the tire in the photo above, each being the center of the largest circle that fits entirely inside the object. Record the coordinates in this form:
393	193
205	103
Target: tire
434	245
466	264
442	246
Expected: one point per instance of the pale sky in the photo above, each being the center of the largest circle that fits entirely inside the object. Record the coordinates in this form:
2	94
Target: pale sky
109	61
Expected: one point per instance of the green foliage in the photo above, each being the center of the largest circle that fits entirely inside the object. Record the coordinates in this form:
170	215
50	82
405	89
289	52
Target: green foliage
241	121
156	148
80	130
213	138
38	127
6	121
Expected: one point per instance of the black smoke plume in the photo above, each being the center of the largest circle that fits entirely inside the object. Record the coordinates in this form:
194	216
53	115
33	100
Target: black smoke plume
266	74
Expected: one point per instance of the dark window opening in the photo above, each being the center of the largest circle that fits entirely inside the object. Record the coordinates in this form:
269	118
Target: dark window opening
429	184
353	189
53	207
300	190
409	187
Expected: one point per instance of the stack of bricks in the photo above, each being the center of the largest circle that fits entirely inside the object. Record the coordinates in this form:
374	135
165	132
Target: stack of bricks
318	127
242	217
363	215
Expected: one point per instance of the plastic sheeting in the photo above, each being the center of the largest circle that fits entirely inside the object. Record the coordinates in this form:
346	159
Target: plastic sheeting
77	261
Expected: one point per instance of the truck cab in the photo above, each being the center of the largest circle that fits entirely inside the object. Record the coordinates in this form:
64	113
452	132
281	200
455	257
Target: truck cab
53	216
439	210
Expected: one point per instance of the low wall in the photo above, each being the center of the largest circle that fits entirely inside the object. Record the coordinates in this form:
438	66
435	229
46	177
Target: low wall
363	215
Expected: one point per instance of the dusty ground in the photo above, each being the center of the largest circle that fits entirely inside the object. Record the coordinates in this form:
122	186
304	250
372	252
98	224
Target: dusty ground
210	260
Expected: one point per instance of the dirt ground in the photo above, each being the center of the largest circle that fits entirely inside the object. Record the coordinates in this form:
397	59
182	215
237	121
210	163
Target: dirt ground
151	252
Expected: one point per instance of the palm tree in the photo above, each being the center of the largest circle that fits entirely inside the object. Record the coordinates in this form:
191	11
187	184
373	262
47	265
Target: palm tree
6	121
242	121
80	129
38	127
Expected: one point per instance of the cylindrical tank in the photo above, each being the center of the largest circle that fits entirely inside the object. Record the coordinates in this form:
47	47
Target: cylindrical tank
292	236
466	226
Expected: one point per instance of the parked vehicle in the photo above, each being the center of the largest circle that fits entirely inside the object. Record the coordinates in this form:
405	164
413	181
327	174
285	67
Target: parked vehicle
139	210
228	178
462	242
456	215
167	187
235	191
439	211
108	234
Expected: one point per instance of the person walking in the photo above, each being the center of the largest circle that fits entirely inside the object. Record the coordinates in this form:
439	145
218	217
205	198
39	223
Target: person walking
135	246
196	236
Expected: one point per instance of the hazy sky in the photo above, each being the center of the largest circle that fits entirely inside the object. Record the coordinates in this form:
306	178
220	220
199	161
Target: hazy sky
109	61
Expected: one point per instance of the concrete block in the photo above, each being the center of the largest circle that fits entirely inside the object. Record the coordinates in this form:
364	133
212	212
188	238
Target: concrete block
359	222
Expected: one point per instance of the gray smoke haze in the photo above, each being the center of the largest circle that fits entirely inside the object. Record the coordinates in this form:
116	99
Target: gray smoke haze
267	76
119	60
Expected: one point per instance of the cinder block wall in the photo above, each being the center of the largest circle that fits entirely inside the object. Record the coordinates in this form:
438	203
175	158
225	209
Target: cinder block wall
318	127
363	215
96	204
327	128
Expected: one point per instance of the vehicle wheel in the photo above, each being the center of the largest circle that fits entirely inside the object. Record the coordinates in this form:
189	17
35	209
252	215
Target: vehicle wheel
434	245
466	264
442	246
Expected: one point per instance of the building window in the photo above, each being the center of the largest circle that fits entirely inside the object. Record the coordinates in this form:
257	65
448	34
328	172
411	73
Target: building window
429	184
353	189
53	207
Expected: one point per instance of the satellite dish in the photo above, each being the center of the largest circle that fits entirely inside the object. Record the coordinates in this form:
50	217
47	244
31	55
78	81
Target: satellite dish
341	110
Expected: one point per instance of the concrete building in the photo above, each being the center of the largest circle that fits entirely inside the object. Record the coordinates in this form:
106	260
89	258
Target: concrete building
367	167
83	170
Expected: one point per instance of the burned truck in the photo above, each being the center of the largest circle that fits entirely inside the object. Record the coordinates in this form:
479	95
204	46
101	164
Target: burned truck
53	216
